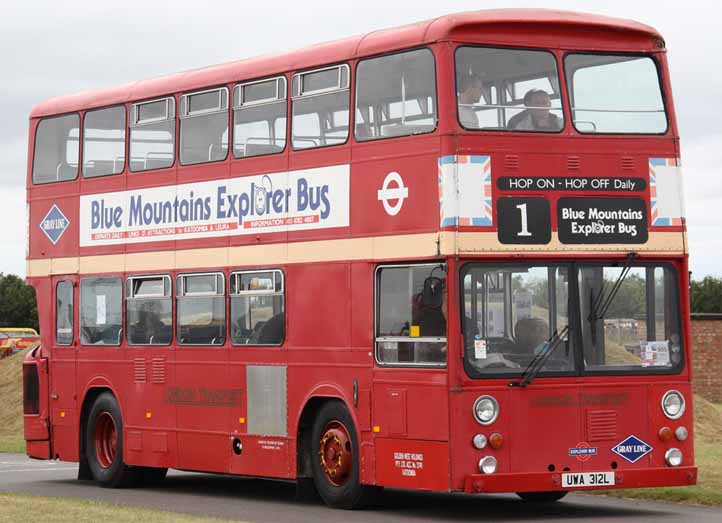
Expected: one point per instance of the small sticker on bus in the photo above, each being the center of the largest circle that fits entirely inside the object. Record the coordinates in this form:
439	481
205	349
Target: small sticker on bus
480	349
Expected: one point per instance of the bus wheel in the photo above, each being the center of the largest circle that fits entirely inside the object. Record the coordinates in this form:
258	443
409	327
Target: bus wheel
542	497
104	444
334	459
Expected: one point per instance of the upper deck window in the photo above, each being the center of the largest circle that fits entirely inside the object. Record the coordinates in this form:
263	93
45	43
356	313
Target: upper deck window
615	94
204	126
152	134
320	107
104	142
396	95
57	149
508	90
259	117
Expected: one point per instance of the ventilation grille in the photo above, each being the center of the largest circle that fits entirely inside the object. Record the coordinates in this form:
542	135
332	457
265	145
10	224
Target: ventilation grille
627	163
158	369
139	370
573	163
511	162
601	425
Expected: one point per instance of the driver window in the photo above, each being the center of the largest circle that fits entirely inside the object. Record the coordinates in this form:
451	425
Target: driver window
510	313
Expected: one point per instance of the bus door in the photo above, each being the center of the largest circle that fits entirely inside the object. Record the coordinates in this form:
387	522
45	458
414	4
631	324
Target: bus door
410	387
202	378
511	315
61	387
149	417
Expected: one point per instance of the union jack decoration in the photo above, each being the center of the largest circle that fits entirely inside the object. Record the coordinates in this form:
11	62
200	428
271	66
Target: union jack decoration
664	196
469	177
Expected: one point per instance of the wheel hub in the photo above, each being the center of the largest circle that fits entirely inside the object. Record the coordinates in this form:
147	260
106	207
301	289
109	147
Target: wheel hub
336	453
106	440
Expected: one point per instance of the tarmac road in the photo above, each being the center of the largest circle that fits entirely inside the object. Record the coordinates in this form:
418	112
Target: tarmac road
261	501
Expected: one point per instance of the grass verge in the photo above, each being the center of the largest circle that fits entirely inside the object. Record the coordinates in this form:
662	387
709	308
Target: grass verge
26	507
11	409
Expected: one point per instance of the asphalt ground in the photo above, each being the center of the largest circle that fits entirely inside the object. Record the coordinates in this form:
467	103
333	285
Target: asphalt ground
264	500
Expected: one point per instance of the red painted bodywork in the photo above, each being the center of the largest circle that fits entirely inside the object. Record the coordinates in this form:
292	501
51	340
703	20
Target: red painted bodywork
329	342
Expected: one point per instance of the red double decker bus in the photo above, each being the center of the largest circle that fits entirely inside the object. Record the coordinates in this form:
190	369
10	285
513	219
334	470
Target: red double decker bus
449	256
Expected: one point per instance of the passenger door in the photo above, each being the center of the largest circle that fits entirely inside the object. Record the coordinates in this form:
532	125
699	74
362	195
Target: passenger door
64	408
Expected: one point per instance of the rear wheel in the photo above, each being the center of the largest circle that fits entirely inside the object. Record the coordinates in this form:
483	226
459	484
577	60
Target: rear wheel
542	497
334	459
104	444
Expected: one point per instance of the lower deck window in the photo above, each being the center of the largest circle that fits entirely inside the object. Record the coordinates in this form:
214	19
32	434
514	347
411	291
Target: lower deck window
201	309
101	311
411	315
636	327
148	310
257	308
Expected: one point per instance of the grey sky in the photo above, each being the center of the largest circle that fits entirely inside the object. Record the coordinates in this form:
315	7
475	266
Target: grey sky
51	48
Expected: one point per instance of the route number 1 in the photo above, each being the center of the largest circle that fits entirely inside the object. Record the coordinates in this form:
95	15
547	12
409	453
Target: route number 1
524	221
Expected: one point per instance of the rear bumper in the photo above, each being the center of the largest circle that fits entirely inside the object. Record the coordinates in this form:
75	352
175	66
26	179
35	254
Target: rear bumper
546	481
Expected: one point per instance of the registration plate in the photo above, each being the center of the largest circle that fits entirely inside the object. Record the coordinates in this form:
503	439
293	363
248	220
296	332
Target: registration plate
587	479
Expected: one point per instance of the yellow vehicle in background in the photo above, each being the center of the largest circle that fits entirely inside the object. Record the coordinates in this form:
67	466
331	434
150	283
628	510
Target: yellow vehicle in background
15	339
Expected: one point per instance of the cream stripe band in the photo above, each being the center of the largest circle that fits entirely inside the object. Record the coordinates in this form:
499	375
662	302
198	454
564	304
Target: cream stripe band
406	247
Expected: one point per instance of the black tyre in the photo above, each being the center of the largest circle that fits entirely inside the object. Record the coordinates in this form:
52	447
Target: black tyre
152	475
542	497
334	459
104	444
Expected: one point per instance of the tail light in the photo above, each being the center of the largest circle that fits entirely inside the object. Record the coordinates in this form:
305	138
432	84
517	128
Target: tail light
31	389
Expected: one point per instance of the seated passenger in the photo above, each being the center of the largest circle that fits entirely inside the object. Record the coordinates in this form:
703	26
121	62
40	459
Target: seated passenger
470	89
530	334
538	117
520	116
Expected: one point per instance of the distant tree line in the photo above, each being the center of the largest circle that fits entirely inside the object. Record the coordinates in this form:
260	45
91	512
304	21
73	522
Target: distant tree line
18	307
706	295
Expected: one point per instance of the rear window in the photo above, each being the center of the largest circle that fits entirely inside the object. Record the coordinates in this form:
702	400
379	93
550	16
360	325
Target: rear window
57	149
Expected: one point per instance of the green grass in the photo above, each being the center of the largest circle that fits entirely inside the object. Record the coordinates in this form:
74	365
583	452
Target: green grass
11	403
25	507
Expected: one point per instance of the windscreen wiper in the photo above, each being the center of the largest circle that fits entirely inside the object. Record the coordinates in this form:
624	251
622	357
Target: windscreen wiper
600	306
540	359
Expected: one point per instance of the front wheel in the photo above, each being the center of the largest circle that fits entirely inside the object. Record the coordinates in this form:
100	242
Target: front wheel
334	459
104	444
542	497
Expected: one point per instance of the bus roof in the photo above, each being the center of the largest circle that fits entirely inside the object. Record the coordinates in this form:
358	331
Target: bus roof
375	42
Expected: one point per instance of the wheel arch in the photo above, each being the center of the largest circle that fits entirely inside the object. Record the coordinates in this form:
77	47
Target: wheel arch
312	404
93	390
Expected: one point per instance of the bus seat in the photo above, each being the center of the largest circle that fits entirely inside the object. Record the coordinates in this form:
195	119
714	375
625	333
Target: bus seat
390	131
256	149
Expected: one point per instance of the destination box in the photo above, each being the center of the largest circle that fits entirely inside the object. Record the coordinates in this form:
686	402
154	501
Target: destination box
602	220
